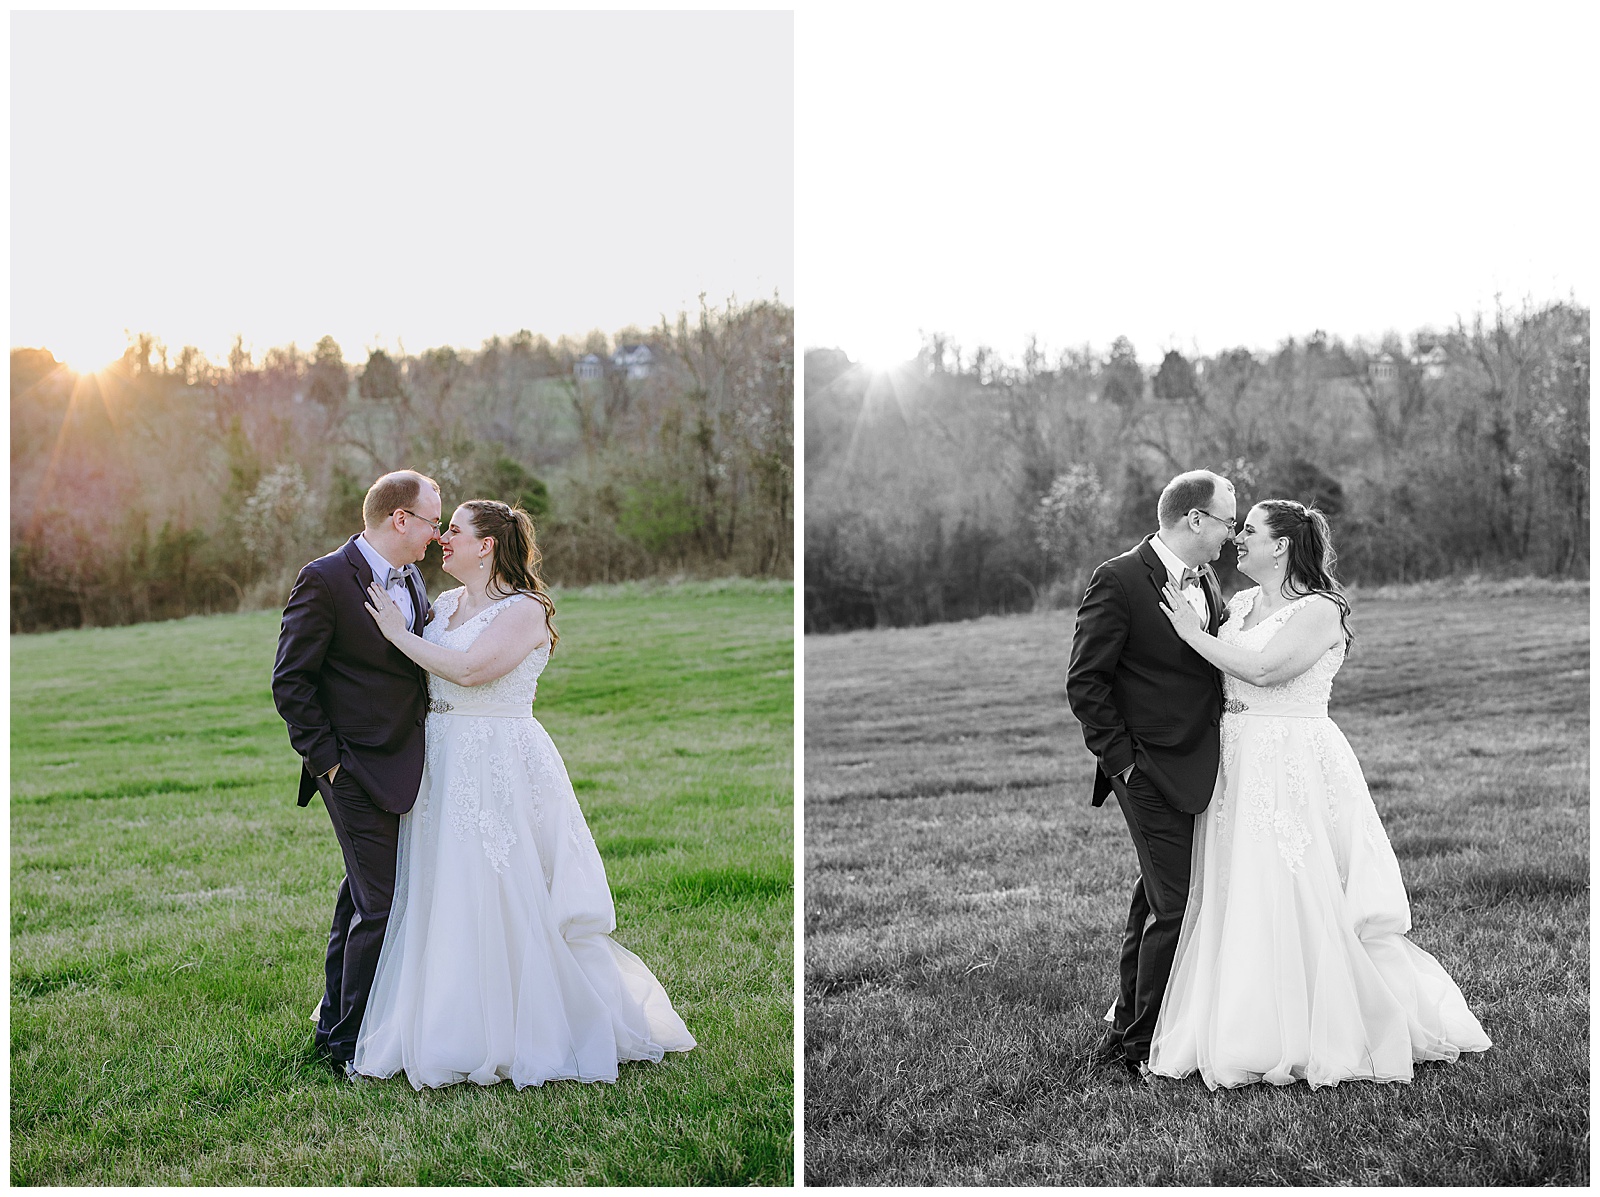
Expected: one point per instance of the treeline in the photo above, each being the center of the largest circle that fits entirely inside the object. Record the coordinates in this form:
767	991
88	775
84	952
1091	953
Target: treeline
960	484
170	485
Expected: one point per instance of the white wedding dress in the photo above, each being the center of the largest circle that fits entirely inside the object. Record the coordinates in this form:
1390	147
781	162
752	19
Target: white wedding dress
498	963
1293	962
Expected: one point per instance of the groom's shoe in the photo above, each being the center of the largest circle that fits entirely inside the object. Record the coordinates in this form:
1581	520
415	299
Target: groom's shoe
1139	1071
328	1060
1108	1053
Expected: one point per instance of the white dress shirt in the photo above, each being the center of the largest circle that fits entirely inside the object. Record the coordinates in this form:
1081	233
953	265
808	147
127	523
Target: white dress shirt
1194	595
399	592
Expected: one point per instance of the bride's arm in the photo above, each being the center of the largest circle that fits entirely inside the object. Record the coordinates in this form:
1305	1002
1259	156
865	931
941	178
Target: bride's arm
1308	633
511	635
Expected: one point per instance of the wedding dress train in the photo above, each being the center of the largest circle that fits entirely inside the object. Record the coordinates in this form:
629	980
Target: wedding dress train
498	963
1293	962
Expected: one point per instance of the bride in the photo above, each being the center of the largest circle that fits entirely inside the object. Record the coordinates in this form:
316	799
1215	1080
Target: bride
1293	962
498	963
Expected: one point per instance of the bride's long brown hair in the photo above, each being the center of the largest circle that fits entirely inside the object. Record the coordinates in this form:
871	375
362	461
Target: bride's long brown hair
1308	567
516	555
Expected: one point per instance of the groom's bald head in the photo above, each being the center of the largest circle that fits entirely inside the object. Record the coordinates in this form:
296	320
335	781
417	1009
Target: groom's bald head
1195	488
391	492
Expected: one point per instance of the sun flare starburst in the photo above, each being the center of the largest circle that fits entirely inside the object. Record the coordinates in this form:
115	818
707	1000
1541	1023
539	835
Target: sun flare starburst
879	363
882	355
88	354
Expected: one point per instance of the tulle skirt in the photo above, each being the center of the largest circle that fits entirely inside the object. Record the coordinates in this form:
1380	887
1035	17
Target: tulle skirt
498	963
1293	962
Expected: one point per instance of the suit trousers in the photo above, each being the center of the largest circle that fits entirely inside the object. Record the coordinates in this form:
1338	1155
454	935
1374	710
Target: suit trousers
1163	837
369	838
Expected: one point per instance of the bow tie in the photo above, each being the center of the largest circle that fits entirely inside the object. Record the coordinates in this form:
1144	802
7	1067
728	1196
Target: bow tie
396	577
1190	578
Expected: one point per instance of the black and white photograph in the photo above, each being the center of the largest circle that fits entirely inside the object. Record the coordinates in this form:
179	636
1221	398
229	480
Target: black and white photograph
1196	596
402	602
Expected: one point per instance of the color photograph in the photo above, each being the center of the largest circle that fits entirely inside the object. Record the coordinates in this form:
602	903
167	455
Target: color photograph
402	602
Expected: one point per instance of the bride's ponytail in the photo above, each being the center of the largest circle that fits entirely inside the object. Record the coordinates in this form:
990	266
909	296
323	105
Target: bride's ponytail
1311	558
516	554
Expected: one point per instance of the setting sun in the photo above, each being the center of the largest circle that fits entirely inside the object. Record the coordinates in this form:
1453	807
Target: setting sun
884	355
87	353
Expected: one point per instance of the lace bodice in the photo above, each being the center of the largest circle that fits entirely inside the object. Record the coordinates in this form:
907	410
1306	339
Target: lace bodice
519	685
1314	685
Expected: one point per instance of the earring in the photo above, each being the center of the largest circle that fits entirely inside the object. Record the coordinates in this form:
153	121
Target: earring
480	562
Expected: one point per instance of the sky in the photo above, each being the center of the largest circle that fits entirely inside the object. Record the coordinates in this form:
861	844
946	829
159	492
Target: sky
402	180
1194	177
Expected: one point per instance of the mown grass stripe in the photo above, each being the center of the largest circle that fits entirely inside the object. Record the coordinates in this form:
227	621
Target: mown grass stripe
143	789
729	885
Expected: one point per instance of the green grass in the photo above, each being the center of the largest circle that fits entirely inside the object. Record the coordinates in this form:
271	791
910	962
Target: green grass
170	905
964	906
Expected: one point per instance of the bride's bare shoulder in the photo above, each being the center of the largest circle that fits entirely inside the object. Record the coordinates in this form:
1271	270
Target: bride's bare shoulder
1322	604
1320	615
524	608
528	614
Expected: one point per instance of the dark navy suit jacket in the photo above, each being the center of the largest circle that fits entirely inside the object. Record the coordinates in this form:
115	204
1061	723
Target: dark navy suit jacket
349	696
1142	695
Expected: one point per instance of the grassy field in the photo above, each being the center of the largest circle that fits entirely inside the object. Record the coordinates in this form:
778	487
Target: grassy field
169	911
964	905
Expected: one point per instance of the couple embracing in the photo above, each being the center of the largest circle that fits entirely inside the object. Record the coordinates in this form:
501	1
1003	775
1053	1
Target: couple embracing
470	938
1266	938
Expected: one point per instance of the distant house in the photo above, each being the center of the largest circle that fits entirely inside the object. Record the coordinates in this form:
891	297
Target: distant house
1386	368
636	361
630	361
1433	362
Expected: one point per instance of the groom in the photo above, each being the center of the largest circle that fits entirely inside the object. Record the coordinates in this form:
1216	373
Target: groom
355	707
1150	707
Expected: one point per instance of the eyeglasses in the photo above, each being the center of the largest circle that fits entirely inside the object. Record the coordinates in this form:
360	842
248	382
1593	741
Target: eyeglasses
434	524
1231	525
